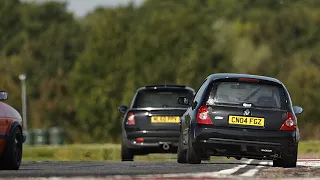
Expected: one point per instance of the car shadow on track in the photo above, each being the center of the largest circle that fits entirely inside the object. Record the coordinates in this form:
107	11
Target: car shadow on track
251	164
239	163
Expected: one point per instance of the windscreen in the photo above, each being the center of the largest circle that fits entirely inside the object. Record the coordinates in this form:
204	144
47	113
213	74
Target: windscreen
256	94
161	98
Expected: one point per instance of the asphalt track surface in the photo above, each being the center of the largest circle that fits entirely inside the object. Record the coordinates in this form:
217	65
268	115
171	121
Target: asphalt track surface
244	168
49	169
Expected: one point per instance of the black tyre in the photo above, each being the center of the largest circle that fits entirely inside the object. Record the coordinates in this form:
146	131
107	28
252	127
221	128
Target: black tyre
126	153
192	156
12	155
181	153
206	158
290	161
287	161
277	163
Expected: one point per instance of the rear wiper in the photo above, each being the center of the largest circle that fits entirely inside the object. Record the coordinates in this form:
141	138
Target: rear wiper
252	94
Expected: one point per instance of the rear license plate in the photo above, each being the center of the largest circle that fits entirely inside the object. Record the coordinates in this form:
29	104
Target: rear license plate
165	119
249	121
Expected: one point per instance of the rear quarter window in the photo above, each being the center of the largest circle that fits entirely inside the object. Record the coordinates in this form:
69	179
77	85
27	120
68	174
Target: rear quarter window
164	98
257	94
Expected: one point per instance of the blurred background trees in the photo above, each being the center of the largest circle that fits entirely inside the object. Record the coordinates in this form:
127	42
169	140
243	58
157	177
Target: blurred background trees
80	70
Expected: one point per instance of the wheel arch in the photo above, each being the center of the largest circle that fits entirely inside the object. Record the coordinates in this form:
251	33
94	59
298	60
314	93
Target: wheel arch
13	126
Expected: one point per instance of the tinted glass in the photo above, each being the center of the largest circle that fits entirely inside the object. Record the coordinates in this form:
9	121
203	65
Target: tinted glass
161	98
258	95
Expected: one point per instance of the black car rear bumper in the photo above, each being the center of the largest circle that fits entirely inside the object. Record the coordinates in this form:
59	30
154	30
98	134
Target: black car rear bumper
245	143
152	139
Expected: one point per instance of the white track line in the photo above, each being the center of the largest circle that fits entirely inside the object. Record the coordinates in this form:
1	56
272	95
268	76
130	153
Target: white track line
224	172
309	163
252	172
221	173
249	173
235	169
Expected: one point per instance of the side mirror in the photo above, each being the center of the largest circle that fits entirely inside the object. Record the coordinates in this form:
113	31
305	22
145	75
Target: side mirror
3	95
297	109
123	109
183	100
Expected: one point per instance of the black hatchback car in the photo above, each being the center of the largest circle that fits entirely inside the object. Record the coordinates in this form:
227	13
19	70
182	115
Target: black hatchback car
240	116
151	124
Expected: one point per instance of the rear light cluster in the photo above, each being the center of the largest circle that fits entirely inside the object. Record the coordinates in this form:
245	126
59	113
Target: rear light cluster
289	124
131	121
203	116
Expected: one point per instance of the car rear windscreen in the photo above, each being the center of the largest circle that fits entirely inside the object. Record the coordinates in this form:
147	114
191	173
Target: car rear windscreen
161	98
256	94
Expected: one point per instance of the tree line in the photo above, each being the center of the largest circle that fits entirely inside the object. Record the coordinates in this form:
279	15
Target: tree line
79	70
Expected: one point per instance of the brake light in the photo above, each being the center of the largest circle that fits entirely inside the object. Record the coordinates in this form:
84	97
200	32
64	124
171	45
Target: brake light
203	116
131	121
289	124
248	79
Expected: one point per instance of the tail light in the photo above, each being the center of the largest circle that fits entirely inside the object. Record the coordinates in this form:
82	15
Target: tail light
203	116
131	121
289	124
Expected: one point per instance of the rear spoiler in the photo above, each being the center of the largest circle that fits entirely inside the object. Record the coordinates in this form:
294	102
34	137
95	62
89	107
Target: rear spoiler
156	86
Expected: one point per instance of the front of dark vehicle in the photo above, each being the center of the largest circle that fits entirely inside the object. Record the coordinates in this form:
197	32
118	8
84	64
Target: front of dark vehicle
151	125
247	116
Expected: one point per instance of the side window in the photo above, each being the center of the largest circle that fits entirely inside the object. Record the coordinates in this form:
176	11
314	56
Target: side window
200	91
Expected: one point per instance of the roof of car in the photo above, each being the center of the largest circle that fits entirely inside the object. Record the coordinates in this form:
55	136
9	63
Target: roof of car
165	86
235	75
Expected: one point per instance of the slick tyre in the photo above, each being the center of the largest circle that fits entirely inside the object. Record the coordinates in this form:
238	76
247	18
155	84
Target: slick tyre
12	155
181	153
192	156
126	153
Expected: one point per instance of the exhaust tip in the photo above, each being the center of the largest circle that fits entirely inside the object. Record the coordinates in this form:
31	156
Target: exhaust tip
166	146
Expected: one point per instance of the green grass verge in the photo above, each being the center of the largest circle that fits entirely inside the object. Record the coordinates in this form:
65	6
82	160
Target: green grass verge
309	146
111	152
84	152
